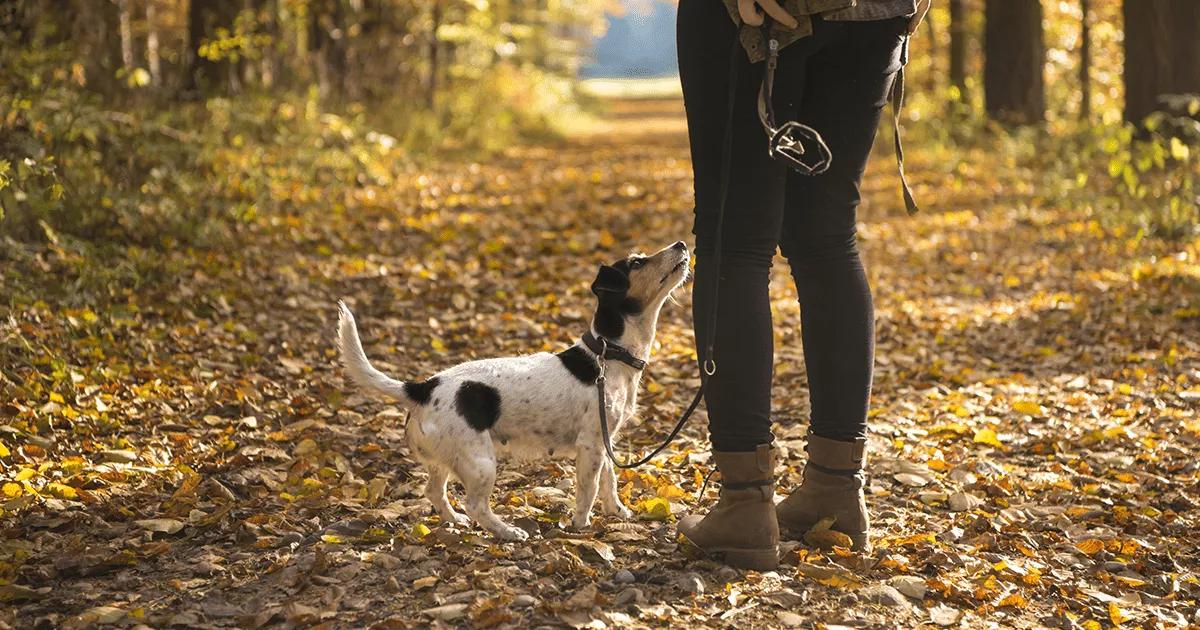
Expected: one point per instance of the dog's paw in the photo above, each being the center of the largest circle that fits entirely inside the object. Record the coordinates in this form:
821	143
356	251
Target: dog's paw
510	533
619	511
456	518
581	522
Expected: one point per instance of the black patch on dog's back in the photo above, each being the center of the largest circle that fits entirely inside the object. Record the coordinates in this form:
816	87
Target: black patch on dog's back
580	364
422	391
478	404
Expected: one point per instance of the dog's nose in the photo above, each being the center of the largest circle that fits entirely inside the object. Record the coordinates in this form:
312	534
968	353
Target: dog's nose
680	245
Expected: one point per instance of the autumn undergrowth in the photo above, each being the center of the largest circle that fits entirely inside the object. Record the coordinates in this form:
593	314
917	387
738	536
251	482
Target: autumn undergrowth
1138	183
146	170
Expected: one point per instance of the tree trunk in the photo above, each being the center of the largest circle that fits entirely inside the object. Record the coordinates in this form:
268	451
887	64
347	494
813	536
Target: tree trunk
96	36
434	45
198	70
153	59
1162	53
932	70
126	21
1085	61
958	48
1014	60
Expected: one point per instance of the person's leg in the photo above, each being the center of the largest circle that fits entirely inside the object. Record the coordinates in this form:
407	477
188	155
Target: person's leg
738	396
741	529
847	87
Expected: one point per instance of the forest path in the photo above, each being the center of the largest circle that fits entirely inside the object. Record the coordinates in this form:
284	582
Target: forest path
1033	434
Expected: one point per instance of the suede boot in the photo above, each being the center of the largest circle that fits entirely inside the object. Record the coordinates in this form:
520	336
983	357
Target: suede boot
832	488
741	530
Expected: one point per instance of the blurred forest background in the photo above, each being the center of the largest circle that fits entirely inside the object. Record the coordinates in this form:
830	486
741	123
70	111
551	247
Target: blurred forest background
116	111
187	187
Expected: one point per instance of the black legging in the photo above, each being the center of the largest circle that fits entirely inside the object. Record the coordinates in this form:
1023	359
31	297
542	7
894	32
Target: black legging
837	81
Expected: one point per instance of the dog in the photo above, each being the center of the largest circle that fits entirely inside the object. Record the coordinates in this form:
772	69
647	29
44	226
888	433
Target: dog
534	405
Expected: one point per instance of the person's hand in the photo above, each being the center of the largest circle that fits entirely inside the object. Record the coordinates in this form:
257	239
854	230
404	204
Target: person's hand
750	14
922	9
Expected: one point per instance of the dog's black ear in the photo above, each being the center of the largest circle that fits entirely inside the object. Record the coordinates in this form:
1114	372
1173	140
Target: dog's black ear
610	280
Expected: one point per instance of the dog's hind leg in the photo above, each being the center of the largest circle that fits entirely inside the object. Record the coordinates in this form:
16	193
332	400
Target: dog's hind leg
478	474
610	501
435	491
589	465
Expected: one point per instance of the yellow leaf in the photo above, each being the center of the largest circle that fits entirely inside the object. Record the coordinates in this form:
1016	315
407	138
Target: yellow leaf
1091	624
671	491
1016	600
1115	614
26	473
12	489
4	452
827	539
62	491
653	509
989	437
1091	546
333	539
57	398
1130	582
420	530
1027	407
606	239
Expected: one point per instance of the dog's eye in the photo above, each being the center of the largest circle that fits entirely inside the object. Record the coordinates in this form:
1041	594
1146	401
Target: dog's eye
636	262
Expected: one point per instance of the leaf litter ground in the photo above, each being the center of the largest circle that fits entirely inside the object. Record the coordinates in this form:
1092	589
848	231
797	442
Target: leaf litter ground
183	451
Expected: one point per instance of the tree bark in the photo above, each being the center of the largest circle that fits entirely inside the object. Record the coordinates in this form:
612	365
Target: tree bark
126	21
1085	60
434	46
1152	67
153	58
958	48
1014	61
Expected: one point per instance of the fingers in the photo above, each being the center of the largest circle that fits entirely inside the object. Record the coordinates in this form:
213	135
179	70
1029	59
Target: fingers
750	14
777	13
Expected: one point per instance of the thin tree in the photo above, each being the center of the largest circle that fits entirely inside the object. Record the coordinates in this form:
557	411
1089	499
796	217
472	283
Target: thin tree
958	48
153	56
1085	61
1014	61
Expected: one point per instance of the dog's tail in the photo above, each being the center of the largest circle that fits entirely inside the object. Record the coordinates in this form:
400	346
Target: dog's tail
361	372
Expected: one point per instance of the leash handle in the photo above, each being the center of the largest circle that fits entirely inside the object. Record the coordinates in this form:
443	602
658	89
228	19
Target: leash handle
709	363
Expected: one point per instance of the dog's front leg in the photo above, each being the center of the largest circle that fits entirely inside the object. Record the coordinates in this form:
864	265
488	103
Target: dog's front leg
610	501
588	467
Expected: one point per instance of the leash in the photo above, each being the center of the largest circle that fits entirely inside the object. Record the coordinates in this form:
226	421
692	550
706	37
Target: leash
709	365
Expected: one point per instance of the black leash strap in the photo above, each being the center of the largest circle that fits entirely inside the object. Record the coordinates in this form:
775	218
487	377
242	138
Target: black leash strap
709	365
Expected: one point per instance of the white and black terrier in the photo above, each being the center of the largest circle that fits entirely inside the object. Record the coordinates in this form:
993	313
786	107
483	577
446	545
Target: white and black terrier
534	405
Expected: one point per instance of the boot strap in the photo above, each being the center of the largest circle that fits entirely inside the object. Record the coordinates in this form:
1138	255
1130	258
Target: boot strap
841	472
746	485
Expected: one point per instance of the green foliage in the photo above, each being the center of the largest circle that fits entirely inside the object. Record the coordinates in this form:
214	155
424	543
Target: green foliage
1146	182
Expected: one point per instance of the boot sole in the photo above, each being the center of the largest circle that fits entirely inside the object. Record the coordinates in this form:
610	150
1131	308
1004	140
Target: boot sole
755	559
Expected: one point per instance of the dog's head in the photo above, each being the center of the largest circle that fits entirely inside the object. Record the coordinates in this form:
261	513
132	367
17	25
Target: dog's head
635	287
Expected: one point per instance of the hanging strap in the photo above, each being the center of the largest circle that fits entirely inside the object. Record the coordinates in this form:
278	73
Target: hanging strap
897	100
